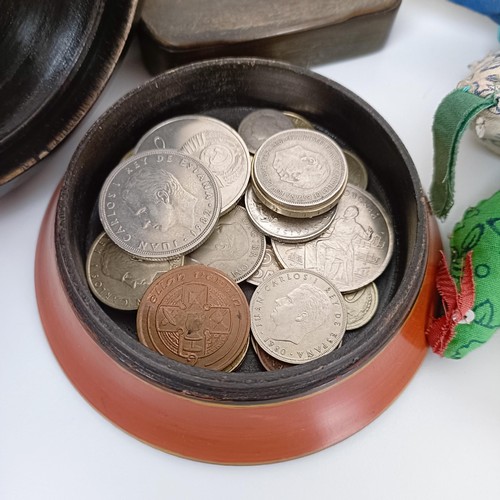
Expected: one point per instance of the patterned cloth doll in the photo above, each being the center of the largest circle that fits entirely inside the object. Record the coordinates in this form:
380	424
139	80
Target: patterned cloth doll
470	288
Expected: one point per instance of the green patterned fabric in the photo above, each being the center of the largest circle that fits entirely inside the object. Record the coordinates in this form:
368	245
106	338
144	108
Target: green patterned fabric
452	117
478	231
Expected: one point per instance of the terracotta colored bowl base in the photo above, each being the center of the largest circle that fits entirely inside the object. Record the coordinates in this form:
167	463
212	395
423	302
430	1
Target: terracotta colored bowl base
221	432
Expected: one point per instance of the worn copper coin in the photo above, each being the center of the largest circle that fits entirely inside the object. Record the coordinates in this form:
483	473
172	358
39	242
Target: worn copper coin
237	362
235	247
269	362
303	173
354	250
159	204
217	145
261	124
361	305
195	315
119	279
297	315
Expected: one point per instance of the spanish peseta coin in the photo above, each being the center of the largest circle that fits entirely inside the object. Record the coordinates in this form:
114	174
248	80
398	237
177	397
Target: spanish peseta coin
354	250
159	204
302	173
196	315
235	247
297	315
283	228
119	279
217	145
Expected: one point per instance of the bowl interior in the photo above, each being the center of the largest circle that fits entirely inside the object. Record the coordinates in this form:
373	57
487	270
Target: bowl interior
228	89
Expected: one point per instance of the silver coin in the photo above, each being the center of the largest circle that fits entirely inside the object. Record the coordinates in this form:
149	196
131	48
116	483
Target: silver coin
361	305
283	228
299	213
159	204
235	247
298	120
300	170
268	267
297	315
259	125
357	173
117	278
218	146
354	250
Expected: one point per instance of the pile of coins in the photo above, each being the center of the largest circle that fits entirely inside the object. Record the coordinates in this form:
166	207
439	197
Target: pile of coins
198	207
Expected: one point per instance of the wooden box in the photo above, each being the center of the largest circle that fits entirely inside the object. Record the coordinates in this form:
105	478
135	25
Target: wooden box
306	33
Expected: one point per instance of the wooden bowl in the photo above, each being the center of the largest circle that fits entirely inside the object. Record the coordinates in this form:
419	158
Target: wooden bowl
250	416
56	58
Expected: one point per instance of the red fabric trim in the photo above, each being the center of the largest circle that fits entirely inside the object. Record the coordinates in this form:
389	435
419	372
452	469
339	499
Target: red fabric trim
455	304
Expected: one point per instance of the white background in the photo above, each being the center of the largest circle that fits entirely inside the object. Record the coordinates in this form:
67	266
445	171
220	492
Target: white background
439	439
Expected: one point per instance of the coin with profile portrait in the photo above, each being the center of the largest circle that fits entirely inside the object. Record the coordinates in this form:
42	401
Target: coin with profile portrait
217	145
119	279
301	172
297	316
159	204
235	247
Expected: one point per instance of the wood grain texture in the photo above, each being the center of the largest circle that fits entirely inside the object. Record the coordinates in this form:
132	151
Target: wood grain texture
56	59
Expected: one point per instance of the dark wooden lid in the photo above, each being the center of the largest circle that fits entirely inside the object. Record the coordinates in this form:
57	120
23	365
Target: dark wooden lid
56	58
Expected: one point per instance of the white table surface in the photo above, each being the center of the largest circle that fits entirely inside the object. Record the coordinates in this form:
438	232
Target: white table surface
439	440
